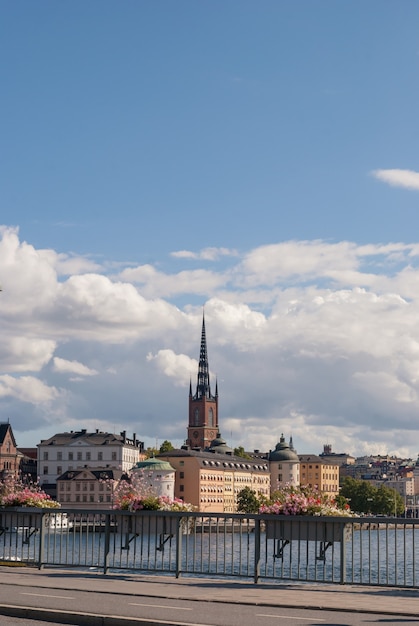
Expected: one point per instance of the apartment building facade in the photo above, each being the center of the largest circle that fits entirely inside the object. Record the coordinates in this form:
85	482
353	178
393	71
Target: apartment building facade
88	489
77	450
316	472
212	481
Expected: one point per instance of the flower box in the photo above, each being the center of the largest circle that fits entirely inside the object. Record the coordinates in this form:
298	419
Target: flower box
306	529
138	524
17	520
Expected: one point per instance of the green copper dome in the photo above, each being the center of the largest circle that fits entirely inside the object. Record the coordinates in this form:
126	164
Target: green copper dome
154	464
220	446
283	452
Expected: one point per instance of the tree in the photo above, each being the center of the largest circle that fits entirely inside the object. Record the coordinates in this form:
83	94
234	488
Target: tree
389	501
166	446
241	453
247	501
150	452
366	498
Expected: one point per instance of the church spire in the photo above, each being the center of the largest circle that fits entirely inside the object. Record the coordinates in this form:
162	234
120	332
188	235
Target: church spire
203	406
203	389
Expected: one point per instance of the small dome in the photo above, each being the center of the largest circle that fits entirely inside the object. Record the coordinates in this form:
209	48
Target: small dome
283	452
220	446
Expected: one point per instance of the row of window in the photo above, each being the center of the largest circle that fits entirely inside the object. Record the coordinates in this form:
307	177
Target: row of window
259	480
78	456
84	498
59	470
324	476
83	486
211	477
331	488
304	465
9	465
210	422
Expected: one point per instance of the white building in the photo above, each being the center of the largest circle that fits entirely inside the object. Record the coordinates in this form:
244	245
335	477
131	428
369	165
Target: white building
284	465
158	477
76	450
404	486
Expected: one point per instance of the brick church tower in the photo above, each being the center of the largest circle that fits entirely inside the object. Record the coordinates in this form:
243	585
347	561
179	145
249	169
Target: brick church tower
203	406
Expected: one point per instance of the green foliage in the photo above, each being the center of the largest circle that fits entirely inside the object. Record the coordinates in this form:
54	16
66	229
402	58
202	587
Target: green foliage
166	446
247	501
151	452
366	498
240	451
341	502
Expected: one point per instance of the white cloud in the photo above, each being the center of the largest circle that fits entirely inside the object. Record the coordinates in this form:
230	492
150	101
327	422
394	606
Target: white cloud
302	261
22	352
206	254
154	284
63	366
72	264
180	367
27	389
408	179
315	339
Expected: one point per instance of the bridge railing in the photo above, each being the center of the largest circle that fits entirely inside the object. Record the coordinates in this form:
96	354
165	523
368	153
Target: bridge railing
368	550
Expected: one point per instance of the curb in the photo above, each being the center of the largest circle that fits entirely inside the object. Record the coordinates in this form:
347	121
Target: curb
75	618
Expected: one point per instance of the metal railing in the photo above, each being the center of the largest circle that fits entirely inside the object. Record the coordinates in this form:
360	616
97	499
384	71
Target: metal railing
368	550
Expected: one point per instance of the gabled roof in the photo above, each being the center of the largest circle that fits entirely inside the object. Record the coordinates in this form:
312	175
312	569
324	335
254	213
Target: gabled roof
85	438
4	429
98	474
31	453
311	458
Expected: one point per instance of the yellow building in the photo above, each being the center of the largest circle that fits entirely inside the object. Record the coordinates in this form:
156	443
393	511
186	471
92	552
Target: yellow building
211	481
316	472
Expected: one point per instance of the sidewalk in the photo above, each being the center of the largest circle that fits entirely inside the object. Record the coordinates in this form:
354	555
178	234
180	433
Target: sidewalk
387	600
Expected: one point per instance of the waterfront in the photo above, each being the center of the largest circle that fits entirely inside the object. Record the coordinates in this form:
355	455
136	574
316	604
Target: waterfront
373	554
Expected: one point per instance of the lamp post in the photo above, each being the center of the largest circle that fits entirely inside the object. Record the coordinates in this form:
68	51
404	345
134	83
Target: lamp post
395	502
390	500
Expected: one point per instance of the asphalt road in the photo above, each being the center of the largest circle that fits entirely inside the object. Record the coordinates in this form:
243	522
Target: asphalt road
82	604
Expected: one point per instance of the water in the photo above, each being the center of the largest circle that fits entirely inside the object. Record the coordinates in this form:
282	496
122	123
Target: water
373	556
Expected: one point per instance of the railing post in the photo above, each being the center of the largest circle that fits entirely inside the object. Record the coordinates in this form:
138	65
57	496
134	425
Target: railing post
107	543
343	552
41	542
257	551
179	538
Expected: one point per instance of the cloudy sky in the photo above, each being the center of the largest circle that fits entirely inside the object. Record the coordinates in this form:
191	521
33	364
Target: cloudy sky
256	158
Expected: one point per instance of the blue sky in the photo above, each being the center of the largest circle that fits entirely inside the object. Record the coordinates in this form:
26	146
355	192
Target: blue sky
255	157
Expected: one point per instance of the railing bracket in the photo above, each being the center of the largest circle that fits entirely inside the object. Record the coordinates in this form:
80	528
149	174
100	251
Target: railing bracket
280	545
160	547
323	547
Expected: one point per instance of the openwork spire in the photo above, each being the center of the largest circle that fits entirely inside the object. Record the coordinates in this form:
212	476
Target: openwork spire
203	388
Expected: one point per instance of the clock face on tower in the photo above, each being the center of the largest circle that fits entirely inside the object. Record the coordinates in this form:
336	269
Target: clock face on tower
211	433
195	434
